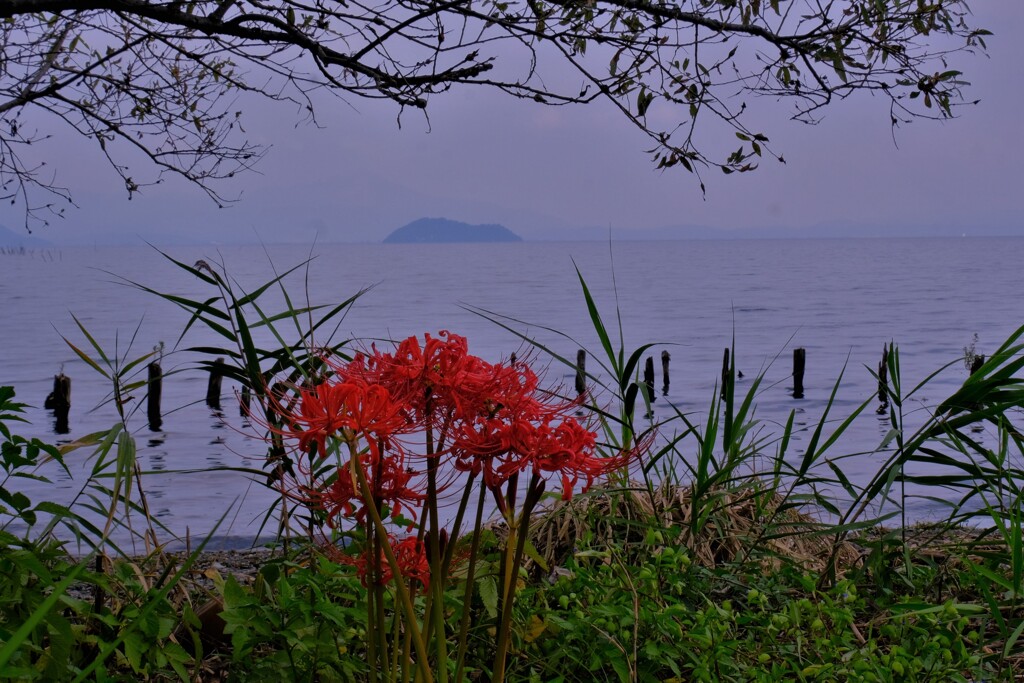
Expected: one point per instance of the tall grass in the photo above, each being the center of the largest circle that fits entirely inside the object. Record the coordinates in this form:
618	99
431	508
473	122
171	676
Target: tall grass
717	490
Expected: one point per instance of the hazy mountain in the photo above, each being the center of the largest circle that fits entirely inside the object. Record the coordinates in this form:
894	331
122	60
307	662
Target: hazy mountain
12	238
444	230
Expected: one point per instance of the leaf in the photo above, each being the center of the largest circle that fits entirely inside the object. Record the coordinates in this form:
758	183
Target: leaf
89	361
1011	642
531	552
622	669
83	442
643	101
535	629
18	639
634	360
630	401
837	64
487	587
595	317
887	439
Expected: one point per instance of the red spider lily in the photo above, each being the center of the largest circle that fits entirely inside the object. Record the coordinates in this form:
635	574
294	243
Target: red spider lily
521	429
438	381
320	415
486	419
477	444
568	449
371	411
410	555
500	449
328	408
389	483
489	420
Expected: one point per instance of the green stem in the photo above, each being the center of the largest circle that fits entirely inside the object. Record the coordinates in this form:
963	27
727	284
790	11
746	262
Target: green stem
371	612
467	596
504	608
406	652
436	611
449	550
382	632
382	537
397	665
518	531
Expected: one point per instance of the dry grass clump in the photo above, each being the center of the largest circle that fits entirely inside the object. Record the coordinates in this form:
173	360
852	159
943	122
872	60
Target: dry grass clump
940	543
748	521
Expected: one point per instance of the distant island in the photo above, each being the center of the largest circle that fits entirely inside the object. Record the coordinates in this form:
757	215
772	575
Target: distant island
20	239
445	231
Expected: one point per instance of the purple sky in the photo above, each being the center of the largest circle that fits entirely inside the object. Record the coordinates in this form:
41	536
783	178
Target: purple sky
488	158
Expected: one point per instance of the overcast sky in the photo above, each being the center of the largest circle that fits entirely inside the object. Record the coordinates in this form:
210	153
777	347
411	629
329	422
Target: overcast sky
487	158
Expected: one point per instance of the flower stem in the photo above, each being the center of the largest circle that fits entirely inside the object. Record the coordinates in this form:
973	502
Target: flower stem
467	597
449	550
382	537
436	610
519	530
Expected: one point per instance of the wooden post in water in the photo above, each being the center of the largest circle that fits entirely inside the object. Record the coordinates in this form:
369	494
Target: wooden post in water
155	381
883	381
512	359
649	378
59	401
799	360
213	386
581	372
245	405
664	372
725	374
977	362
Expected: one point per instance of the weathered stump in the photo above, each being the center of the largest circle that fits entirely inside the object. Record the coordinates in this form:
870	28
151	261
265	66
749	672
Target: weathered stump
665	357
155	380
213	385
649	378
799	361
883	381
726	375
581	372
245	405
59	401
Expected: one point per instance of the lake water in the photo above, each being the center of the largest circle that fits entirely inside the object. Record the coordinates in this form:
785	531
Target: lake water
838	299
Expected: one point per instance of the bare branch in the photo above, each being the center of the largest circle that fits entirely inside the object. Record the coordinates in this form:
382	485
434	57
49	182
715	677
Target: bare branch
160	79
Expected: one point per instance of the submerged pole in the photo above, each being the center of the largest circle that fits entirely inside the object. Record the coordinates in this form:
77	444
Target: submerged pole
155	382
245	405
883	381
213	385
581	372
649	377
665	357
59	401
726	374
799	361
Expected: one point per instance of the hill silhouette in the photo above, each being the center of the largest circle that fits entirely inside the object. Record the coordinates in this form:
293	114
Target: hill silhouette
446	231
11	238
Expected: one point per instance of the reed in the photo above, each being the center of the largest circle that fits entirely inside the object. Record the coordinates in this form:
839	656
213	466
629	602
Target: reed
712	551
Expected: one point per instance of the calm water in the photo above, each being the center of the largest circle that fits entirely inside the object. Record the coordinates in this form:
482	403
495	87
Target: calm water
841	300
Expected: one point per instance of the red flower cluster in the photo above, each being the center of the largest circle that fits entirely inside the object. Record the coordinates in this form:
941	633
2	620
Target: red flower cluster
389	485
410	555
490	420
330	408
